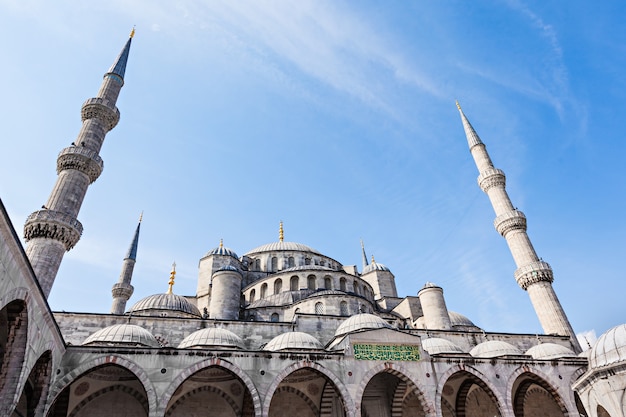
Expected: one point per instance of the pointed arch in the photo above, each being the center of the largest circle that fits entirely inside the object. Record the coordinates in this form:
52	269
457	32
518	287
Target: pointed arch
521	384
478	379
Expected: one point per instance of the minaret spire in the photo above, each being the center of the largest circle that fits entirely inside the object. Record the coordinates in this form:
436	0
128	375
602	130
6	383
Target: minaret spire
122	290
364	256
533	274
52	231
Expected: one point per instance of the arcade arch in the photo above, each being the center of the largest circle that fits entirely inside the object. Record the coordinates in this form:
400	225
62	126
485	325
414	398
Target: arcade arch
534	397
465	394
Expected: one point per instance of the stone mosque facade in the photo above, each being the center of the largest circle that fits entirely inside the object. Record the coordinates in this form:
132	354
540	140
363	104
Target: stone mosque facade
282	330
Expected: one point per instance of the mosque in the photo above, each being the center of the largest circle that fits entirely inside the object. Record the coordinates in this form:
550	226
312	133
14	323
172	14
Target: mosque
281	330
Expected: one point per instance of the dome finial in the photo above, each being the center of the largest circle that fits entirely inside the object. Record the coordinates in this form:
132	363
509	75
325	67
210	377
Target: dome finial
172	277
221	243
373	260
281	232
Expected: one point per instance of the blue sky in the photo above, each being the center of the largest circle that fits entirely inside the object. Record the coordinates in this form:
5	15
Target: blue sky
337	118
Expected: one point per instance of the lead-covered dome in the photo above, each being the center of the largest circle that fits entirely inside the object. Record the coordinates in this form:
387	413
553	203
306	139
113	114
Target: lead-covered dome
363	321
283	246
222	250
374	266
161	304
609	348
124	335
494	349
212	338
436	345
545	351
293	340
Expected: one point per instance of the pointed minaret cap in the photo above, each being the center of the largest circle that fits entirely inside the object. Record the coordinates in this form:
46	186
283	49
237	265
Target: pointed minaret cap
472	137
119	66
364	255
281	232
132	250
172	277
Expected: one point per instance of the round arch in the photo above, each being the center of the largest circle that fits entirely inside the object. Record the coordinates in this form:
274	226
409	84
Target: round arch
403	374
207	363
343	392
478	378
85	367
532	375
15	294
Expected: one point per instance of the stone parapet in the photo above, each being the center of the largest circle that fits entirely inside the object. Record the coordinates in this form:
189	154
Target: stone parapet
81	159
532	273
100	109
53	225
491	177
512	220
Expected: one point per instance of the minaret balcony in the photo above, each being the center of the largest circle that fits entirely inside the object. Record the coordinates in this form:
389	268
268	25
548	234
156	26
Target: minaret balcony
122	290
81	159
101	109
55	225
533	273
491	177
509	221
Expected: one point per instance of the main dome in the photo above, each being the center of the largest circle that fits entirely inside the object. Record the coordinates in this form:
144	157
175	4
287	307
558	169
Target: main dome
165	302
283	246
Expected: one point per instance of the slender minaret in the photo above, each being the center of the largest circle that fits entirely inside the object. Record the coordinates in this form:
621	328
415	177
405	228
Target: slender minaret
364	257
122	291
54	229
532	274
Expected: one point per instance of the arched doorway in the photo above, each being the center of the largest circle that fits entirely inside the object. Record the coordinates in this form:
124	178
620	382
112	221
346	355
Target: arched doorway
306	393
216	390
391	395
102	391
534	397
465	395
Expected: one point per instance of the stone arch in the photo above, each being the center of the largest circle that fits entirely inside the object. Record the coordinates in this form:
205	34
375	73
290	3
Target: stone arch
227	398
348	403
15	294
300	394
207	363
401	373
122	388
86	367
35	388
521	382
476	378
13	341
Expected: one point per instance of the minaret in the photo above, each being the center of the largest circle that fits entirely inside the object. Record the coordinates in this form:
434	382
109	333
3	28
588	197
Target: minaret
54	229
364	256
122	291
532	274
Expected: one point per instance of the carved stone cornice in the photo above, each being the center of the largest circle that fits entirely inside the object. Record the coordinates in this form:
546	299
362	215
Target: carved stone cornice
53	225
100	109
81	159
533	273
512	220
122	290
491	177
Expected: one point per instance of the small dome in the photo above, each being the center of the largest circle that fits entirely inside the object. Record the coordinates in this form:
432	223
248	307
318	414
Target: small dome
374	266
212	337
222	250
361	321
609	348
293	340
170	302
227	268
457	319
494	349
122	334
283	246
549	351
436	345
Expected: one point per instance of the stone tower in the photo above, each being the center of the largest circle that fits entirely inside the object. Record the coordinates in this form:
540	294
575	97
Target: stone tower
122	290
533	274
54	229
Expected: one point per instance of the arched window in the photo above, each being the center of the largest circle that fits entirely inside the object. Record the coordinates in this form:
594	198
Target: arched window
274	317
257	264
252	295
291	262
327	283
323	262
342	284
294	283
263	290
278	286
307	261
311	282
274	264
343	309
319	308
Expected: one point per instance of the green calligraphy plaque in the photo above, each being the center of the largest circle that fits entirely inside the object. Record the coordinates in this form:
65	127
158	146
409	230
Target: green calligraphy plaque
386	352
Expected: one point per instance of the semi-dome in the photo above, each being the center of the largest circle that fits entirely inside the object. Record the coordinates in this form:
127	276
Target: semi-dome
609	348
363	321
549	351
213	338
122	334
374	266
436	345
171	302
293	340
494	349
283	246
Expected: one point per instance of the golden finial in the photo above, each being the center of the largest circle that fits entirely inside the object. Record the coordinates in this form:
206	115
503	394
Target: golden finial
132	32
221	243
172	277
141	216
457	104
373	260
281	232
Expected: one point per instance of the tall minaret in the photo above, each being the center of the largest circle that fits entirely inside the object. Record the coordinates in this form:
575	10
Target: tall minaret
122	291
532	274
52	231
363	256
